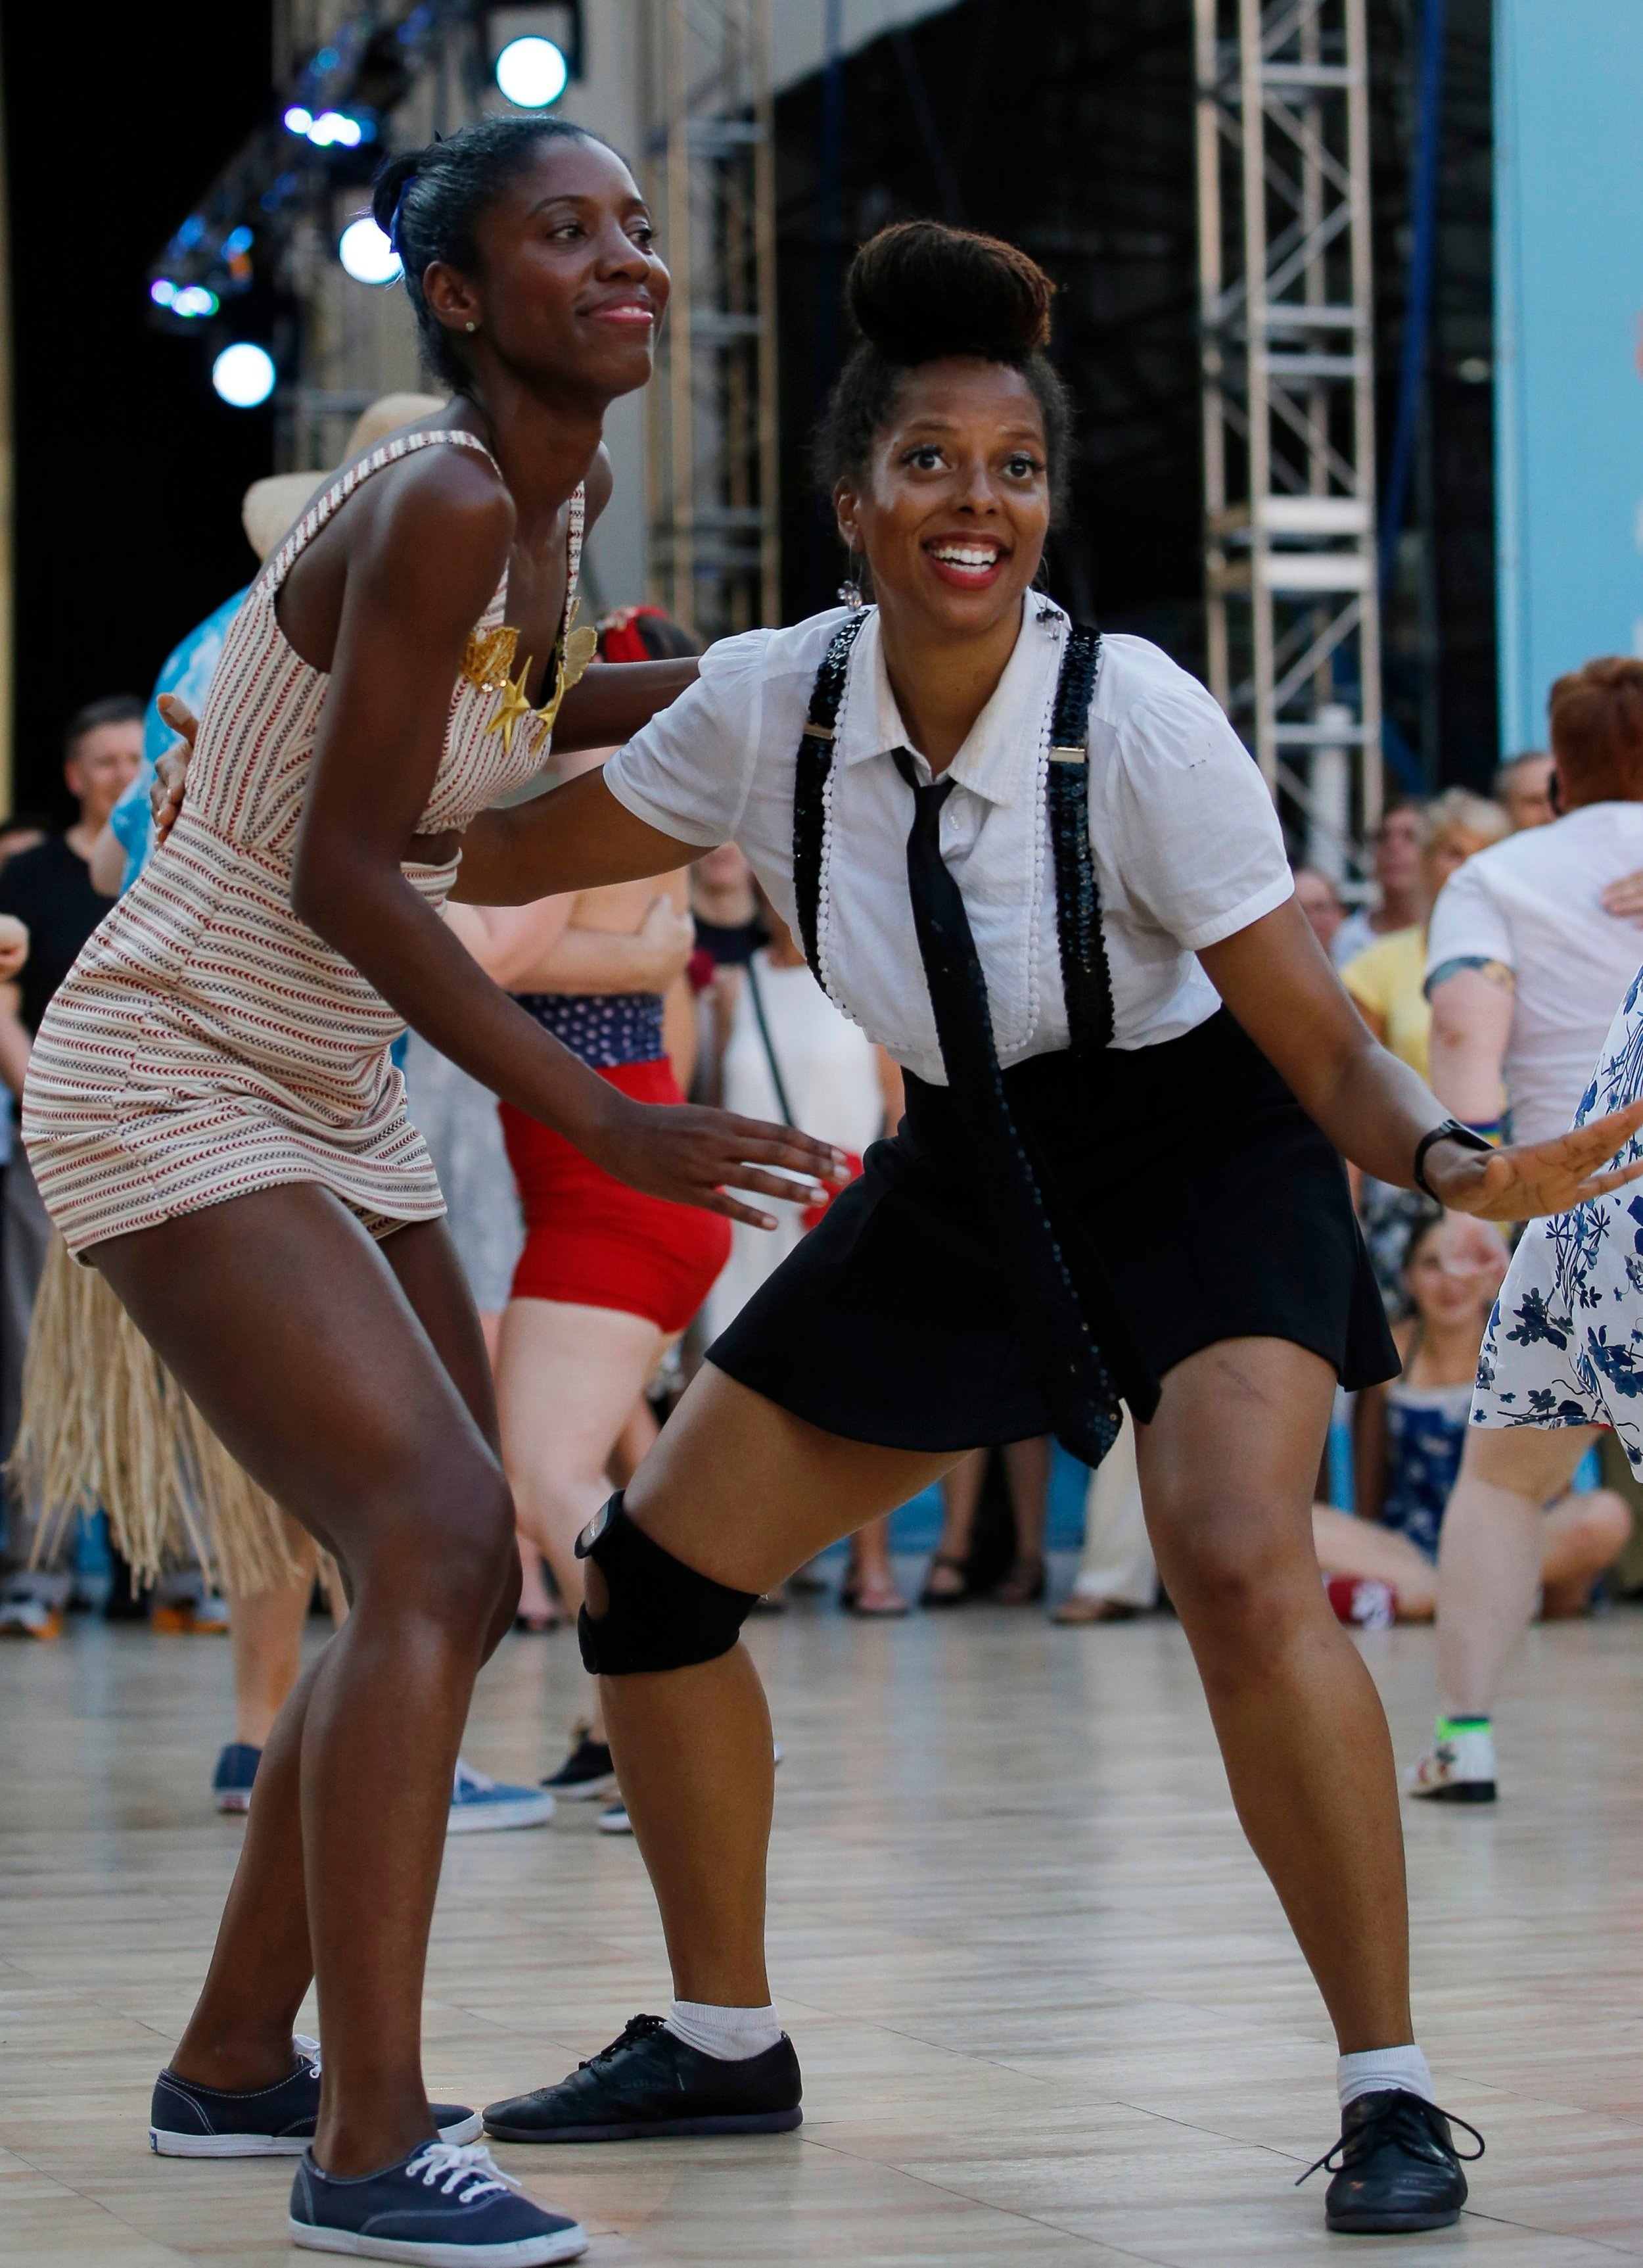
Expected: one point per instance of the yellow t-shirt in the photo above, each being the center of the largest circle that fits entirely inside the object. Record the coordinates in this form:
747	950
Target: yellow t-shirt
1389	979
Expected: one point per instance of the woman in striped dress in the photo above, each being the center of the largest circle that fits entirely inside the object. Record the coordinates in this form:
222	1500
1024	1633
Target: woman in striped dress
216	1125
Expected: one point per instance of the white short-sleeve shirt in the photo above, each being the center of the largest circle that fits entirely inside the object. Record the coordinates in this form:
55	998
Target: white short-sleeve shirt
1535	903
1187	846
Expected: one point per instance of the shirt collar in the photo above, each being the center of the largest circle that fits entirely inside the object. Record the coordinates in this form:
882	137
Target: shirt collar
1004	737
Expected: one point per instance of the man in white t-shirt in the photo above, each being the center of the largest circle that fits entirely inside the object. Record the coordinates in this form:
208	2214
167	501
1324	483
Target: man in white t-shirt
1526	966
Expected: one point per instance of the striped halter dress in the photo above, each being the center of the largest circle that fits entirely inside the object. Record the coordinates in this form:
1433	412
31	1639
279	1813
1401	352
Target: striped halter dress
208	1043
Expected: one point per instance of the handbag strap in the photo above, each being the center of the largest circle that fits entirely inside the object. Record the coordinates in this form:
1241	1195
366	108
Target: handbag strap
776	1079
809	784
1086	979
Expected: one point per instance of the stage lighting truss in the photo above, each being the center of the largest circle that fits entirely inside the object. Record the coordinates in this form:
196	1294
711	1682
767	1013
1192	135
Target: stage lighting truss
712	473
323	131
1285	276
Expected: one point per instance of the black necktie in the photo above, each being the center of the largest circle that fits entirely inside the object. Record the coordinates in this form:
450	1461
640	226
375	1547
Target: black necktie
1046	1309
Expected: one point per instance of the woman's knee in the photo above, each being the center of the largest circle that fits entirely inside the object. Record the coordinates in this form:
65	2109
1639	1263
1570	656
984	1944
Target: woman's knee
1242	1585
1605	1526
448	1550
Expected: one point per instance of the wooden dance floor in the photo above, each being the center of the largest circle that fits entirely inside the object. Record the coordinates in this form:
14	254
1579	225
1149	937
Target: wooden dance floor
1048	2011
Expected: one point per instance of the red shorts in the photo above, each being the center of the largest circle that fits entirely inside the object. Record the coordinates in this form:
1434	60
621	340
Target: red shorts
591	1242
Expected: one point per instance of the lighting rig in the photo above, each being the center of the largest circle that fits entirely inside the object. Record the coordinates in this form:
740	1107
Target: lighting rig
326	131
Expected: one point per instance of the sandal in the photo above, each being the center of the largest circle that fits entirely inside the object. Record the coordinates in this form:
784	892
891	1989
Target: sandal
944	1563
877	1599
1024	1586
1080	1607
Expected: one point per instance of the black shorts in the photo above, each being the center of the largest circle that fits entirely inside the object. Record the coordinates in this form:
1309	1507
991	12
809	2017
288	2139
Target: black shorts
1219	1208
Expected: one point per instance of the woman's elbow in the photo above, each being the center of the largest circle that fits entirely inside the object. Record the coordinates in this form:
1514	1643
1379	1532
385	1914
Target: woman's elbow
326	895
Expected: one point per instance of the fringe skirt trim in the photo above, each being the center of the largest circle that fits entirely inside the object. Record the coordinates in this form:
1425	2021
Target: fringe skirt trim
106	1427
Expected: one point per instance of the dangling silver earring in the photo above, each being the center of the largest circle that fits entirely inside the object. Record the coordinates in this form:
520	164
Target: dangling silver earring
850	589
474	327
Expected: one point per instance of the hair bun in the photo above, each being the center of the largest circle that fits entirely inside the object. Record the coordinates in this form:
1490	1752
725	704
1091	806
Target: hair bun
919	291
390	185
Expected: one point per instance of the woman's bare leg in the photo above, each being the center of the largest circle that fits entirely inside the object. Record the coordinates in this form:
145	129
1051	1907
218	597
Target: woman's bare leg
1489	1552
745	1493
871	1570
567	1379
633	1444
350	1380
961	1500
1227	1471
1580	1537
1346	1545
1027	1472
266	1631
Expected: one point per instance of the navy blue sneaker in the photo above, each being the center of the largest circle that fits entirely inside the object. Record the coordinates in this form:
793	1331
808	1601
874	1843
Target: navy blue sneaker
442	2208
231	1781
187	2121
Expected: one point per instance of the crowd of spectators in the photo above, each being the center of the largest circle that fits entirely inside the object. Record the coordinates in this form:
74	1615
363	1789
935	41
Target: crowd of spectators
1487	946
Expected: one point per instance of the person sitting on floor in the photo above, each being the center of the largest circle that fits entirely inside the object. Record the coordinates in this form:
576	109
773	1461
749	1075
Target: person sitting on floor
1409	1434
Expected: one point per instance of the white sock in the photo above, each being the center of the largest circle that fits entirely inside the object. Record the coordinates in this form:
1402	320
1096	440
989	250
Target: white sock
730	2034
1383	2067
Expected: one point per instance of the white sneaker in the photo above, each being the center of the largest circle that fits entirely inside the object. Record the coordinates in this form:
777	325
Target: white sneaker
1458	1768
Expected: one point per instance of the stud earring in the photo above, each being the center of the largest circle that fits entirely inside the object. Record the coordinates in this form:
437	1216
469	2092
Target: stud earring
850	593
474	327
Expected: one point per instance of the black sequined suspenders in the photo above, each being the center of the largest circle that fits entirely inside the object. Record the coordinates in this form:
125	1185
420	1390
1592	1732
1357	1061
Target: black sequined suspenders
809	784
1085	979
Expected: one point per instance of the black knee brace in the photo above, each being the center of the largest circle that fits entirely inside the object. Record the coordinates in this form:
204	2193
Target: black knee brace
662	1614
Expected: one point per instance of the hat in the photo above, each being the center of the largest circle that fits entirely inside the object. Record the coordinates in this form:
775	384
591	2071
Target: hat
273	507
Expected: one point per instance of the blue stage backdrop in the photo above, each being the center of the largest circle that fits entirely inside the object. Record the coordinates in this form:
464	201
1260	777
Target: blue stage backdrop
1568	344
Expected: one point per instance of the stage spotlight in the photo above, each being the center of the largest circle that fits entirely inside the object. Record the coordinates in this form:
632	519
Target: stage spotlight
244	374
335	126
193	300
532	73
298	120
367	255
162	291
237	240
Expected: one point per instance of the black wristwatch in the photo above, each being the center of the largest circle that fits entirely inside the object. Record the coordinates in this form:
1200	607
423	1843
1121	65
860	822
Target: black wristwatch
1451	1131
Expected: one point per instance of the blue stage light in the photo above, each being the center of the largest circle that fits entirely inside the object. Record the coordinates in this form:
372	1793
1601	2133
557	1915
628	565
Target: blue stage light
237	240
367	255
532	73
193	300
244	374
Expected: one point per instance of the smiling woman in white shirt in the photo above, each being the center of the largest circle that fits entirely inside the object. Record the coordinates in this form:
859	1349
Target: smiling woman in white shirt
1042	871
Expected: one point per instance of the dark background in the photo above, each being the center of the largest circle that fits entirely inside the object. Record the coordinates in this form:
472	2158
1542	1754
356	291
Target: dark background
1069	129
129	470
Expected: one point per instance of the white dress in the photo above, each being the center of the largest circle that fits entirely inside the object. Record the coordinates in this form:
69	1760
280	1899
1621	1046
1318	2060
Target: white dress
1565	1344
830	1071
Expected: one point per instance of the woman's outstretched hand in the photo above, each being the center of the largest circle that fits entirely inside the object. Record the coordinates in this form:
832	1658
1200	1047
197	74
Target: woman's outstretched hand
1540	1177
689	1155
170	771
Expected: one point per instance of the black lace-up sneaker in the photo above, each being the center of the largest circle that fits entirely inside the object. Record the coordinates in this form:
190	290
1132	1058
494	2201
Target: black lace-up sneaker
648	2083
1398	2168
586	1772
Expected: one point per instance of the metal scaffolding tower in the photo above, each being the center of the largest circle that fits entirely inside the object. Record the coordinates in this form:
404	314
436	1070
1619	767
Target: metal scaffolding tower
715	559
1284	261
